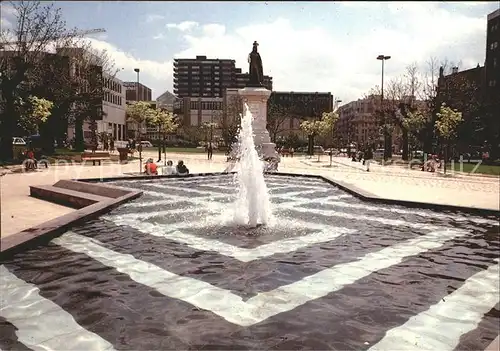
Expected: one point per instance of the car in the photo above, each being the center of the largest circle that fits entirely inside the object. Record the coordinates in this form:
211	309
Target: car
18	141
146	144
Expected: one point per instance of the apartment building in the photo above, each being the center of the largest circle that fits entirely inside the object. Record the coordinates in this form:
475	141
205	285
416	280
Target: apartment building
134	89
492	63
203	77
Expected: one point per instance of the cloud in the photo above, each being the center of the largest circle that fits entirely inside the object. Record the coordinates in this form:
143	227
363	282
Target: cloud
313	58
153	18
157	73
158	36
183	26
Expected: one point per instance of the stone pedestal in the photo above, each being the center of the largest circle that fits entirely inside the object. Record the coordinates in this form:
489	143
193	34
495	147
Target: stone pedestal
256	99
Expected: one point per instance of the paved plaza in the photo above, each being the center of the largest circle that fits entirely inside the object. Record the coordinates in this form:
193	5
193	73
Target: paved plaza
20	211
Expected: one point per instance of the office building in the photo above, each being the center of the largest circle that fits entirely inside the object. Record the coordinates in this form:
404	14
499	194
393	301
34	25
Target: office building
132	89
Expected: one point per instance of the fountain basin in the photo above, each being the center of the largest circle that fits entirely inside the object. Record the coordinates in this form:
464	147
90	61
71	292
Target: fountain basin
169	270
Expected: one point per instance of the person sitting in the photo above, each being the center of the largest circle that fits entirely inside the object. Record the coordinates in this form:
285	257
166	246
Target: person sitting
181	168
150	168
169	168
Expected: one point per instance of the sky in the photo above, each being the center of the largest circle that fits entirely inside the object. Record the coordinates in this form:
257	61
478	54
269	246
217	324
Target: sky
305	46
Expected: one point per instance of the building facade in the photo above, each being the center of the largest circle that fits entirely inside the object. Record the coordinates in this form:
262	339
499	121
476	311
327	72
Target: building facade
166	101
492	63
203	77
134	88
113	119
300	106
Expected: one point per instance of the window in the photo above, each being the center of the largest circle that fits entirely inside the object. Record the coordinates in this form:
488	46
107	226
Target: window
492	83
494	62
494	45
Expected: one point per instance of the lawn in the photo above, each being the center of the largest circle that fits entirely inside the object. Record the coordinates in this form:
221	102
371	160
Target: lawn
469	168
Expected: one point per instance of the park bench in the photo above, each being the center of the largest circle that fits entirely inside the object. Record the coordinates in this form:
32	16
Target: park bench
95	157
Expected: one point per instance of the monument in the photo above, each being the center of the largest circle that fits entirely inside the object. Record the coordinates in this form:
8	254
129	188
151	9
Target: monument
255	95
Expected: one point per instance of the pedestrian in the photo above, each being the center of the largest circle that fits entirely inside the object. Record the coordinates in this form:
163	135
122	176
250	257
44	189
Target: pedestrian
368	156
209	151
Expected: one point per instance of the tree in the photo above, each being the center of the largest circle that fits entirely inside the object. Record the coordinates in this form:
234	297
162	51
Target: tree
38	54
320	127
166	123
414	123
34	112
277	115
139	113
446	124
37	29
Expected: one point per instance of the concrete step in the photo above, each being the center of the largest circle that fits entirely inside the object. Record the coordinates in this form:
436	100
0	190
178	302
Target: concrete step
91	188
65	197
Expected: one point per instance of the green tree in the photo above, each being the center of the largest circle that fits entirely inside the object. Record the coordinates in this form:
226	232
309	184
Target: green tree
34	111
414	123
319	127
166	122
447	122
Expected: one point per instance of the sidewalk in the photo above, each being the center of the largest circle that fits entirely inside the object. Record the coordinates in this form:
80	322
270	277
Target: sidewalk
19	211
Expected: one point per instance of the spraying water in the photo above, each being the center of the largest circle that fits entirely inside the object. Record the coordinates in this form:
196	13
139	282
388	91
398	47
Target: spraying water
253	205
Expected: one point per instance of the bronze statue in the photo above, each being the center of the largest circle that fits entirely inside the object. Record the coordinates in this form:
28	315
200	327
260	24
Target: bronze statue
255	70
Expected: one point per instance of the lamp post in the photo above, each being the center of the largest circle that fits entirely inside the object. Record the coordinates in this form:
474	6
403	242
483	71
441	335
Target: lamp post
383	58
139	127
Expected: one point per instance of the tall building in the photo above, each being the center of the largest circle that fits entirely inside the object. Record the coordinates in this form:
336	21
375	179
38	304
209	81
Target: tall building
133	88
492	63
203	77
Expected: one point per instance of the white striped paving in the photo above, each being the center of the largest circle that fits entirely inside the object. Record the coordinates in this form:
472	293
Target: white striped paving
41	324
266	304
441	326
357	217
477	220
172	232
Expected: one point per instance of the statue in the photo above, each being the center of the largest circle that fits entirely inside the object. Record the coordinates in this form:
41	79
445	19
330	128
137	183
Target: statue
255	70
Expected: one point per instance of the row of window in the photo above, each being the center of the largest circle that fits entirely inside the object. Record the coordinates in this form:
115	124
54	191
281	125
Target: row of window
112	85
112	98
205	105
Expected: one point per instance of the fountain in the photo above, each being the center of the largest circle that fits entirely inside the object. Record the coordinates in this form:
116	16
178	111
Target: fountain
165	272
253	205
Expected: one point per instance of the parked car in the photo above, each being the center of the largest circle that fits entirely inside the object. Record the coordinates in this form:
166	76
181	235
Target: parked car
18	141
146	143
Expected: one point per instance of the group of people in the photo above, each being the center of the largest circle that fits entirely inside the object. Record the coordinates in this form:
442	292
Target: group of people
151	168
30	162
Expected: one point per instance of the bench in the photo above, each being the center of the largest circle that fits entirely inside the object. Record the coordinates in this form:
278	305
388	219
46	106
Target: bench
95	157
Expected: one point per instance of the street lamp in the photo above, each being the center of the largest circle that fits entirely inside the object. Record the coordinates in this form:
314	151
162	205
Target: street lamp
139	127
383	58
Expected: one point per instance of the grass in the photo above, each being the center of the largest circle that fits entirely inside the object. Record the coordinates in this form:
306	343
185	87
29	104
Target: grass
469	167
